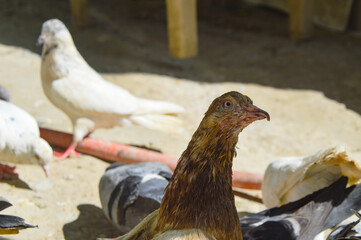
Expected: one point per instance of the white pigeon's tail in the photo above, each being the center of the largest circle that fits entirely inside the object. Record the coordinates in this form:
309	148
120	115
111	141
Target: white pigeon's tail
147	106
165	123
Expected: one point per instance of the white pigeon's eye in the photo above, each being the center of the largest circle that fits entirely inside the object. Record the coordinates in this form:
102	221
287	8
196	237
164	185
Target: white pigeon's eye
37	156
228	105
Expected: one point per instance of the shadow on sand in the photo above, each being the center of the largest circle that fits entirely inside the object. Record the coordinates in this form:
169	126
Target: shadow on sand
14	181
90	224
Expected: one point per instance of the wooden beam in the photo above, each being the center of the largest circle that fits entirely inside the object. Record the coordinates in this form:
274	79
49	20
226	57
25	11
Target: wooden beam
301	19
356	15
182	28
79	12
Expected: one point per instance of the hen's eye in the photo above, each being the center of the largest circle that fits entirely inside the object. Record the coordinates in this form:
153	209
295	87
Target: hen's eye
227	104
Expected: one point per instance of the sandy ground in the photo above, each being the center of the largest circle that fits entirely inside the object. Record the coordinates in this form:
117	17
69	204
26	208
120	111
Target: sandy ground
133	39
66	206
238	43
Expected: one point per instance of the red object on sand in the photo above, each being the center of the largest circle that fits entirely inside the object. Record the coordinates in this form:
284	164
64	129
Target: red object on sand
116	152
7	169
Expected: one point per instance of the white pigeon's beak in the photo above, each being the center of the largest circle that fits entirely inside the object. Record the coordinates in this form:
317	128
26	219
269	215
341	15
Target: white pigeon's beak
46	169
41	40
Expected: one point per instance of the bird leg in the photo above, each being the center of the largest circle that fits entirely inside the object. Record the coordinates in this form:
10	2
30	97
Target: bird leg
70	151
8	170
82	127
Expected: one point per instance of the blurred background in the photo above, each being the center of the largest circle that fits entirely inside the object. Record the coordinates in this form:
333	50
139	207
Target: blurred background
278	46
238	41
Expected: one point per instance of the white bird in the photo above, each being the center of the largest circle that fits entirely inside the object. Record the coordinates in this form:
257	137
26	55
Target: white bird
289	179
20	140
89	101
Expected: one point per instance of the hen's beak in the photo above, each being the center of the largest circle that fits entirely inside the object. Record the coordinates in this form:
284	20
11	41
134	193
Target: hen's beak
257	113
41	40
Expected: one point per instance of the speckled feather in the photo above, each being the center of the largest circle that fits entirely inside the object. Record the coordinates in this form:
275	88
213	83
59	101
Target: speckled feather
20	140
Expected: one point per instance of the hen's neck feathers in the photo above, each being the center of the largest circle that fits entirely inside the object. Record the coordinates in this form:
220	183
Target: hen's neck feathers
199	195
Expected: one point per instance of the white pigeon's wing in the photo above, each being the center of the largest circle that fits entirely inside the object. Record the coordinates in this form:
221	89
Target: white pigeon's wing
147	106
3	133
78	87
92	95
21	127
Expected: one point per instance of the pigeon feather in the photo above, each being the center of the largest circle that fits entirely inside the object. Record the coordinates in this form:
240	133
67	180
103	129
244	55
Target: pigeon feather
20	140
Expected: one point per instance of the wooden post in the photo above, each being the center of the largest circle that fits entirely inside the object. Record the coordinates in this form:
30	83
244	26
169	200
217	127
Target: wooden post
301	18
356	15
79	12
182	28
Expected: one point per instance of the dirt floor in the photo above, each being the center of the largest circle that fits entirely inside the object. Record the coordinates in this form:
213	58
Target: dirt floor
244	48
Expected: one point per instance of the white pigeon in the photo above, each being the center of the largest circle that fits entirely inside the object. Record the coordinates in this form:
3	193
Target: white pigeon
20	140
89	101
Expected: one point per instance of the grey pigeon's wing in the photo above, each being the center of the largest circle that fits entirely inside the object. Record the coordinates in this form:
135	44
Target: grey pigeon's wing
349	230
13	222
276	213
114	165
4	203
344	230
305	218
128	193
281	229
167	175
303	224
4	94
350	198
9	222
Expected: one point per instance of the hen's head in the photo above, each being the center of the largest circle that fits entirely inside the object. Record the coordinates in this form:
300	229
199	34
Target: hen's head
54	32
232	112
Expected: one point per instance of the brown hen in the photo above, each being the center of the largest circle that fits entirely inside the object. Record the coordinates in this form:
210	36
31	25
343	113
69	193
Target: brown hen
199	202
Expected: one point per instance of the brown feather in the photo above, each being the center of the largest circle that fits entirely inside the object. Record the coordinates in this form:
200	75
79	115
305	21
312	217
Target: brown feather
199	198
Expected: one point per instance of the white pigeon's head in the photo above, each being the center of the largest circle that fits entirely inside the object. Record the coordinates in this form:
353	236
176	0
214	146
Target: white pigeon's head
42	153
54	33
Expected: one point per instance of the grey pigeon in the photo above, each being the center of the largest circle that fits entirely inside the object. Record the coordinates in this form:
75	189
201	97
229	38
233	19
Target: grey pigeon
305	218
299	220
10	224
4	94
128	193
348	230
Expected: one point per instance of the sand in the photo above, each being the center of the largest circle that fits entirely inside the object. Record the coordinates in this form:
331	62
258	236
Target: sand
67	206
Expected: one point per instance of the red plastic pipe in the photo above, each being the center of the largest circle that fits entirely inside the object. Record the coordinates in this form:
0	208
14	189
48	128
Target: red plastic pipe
116	152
